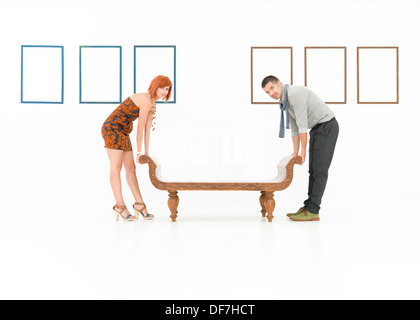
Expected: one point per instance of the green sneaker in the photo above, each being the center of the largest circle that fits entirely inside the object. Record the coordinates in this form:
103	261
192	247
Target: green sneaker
296	213
305	216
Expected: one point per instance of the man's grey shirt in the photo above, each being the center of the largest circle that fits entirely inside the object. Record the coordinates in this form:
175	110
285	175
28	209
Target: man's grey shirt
306	109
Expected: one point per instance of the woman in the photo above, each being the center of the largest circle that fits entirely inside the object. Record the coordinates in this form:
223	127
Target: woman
116	130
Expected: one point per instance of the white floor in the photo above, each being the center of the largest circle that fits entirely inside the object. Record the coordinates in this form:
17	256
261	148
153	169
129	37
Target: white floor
220	248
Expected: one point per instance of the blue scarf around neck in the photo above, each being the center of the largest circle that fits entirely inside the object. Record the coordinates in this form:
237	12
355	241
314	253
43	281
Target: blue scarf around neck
284	107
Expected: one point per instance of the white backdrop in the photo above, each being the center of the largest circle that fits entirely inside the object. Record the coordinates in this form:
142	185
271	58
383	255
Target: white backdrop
53	155
213	129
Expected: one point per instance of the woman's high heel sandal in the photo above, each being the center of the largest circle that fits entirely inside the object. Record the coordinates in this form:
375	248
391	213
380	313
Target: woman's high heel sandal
119	213
139	212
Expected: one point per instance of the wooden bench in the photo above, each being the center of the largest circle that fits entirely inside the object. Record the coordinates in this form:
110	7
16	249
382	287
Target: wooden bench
267	188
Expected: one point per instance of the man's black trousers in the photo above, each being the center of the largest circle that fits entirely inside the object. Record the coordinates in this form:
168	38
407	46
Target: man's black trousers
323	138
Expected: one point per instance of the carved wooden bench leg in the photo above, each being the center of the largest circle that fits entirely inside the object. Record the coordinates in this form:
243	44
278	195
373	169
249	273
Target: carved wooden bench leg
269	204
173	202
262	202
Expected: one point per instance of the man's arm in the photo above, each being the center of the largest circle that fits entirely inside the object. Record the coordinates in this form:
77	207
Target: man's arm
300	123
303	141
300	142
296	145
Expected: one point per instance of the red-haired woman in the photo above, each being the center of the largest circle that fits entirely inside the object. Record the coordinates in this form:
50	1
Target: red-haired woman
116	130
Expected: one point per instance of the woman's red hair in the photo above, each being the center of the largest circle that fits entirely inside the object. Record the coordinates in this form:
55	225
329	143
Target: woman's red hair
160	82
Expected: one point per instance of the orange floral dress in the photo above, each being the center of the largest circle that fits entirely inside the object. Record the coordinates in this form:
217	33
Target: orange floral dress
118	126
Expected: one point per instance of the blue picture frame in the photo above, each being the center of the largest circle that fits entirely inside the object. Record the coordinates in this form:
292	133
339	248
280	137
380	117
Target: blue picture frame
22	74
80	76
174	75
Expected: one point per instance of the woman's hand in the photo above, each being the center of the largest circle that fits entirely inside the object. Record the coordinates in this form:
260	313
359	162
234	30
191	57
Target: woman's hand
138	157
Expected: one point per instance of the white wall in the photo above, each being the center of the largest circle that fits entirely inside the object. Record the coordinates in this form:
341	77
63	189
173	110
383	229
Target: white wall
53	155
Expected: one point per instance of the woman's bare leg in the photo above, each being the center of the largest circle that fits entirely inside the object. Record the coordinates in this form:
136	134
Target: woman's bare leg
116	159
130	171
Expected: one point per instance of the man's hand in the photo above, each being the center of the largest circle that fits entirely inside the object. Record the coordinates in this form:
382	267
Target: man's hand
303	156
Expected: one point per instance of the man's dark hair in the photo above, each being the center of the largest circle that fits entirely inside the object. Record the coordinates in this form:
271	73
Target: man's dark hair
268	79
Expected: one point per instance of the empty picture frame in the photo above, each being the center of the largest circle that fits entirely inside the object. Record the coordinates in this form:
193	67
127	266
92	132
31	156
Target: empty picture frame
42	74
151	61
377	75
100	74
326	73
265	61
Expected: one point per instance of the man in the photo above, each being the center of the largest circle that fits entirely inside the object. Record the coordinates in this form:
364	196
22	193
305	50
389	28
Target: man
305	110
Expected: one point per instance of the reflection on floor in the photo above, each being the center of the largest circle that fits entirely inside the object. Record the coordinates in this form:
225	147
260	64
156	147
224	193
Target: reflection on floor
217	253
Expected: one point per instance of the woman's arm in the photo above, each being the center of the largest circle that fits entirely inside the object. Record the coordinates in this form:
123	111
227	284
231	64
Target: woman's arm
147	132
144	105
